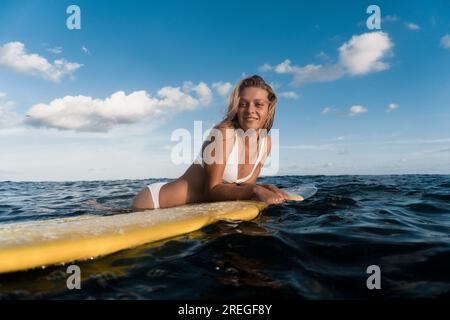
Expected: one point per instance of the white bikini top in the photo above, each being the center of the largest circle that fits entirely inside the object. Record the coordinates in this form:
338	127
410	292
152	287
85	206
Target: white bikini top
230	174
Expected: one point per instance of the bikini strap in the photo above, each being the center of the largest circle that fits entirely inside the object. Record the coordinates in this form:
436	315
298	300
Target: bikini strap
260	155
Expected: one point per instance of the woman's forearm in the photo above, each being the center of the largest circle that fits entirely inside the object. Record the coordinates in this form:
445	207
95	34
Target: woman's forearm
225	192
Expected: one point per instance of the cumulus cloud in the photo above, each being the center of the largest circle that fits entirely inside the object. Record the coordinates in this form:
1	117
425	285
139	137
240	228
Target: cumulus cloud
87	114
183	99
362	54
356	110
222	88
412	26
445	41
289	95
392	107
13	55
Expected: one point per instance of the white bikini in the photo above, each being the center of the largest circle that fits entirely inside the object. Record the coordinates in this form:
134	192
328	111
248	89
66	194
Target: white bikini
230	174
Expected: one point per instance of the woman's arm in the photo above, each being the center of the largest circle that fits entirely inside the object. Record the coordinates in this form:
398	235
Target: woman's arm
282	196
231	191
219	191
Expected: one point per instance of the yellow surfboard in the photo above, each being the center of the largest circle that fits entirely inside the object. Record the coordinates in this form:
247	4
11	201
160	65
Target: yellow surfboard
27	245
33	244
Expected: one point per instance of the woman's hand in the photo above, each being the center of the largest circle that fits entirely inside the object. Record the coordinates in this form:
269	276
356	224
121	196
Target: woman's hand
269	194
277	190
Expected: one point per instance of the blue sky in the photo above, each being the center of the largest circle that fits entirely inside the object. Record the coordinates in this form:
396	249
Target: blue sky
94	112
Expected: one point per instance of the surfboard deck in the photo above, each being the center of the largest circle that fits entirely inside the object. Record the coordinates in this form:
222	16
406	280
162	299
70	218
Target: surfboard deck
32	244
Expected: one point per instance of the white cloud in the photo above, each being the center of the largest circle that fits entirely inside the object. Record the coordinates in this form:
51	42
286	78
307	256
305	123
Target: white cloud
86	114
2	94
390	18
85	50
8	117
356	110
289	95
327	110
55	50
222	88
265	67
412	26
14	56
284	67
445	41
182	99
362	54
392	107
322	55
310	72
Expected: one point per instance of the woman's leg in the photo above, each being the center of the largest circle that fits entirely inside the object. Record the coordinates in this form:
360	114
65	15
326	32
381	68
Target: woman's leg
187	189
173	194
143	200
161	195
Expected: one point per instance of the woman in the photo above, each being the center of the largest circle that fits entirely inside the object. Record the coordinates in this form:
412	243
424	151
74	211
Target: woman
251	109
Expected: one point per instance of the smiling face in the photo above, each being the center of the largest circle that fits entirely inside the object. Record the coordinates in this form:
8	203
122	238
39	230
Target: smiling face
253	108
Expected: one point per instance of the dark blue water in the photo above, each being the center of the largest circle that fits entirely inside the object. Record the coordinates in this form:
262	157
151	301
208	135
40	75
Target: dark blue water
316	249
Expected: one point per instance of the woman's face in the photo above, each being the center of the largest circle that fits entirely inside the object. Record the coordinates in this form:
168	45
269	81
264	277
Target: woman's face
253	108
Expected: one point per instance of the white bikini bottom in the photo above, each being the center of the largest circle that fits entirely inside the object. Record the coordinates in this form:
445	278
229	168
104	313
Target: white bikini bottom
155	188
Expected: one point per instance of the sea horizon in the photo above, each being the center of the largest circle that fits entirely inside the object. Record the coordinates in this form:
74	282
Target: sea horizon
271	176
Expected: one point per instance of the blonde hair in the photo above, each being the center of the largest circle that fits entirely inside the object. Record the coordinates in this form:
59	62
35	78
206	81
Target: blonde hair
256	81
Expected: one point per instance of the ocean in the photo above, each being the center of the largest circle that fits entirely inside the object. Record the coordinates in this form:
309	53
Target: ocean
317	249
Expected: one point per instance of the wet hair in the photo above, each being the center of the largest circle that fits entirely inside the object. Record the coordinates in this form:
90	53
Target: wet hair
255	81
